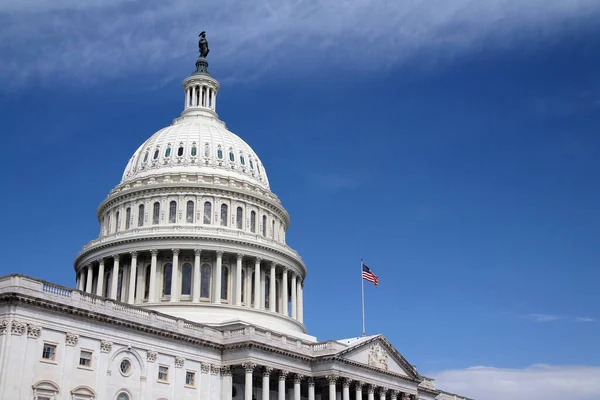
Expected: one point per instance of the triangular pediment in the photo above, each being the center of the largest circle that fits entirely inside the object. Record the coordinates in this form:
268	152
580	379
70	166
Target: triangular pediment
377	352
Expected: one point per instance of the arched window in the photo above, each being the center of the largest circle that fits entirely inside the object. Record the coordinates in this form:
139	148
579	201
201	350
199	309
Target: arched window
258	168
128	218
118	221
273	229
194	151
243	283
123	396
219	153
155	154
242	160
239	218
172	212
141	215
186	279
180	151
146	156
207	212
189	212
156	213
253	221
168	152
264	226
82	393
267	290
224	214
205	281
45	390
167	275
231	156
251	164
224	283
147	282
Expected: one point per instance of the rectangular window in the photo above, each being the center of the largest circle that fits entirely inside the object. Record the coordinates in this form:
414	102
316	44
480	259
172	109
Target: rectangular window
49	352
85	359
163	373
190	378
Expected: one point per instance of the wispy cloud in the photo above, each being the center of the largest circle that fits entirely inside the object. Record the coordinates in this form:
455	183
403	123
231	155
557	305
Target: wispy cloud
335	181
538	382
545	317
50	41
584	319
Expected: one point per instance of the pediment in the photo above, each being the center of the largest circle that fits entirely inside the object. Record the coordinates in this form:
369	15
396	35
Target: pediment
377	352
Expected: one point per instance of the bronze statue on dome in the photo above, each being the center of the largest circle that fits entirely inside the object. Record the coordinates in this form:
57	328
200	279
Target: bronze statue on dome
203	45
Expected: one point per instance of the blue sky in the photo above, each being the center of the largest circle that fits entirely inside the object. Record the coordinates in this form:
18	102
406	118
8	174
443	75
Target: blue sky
453	145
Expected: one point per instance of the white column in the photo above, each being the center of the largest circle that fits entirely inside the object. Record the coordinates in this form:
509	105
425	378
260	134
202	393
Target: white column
214	107
100	284
132	274
248	367
382	393
265	383
218	272
281	388
152	291
297	381
371	391
311	389
226	383
300	296
394	395
346	389
293	285
257	289
358	388
78	281
114	278
193	96
272	288
196	280
284	292
238	280
175	276
187	97
89	279
332	379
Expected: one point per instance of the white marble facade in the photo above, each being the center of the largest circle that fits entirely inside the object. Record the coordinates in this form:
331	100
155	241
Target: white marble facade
189	292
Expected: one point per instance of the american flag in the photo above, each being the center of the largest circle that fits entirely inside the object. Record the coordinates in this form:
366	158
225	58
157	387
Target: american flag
368	275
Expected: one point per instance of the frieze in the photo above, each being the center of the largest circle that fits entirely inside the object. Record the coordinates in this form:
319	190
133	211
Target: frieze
205	368
17	327
378	358
4	326
215	369
71	339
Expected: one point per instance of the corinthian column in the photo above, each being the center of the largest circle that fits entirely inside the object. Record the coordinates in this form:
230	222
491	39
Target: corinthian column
311	389
196	280
284	292
114	278
89	278
371	392
100	285
297	381
332	379
300	305
238	280
272	288
152	292
294	311
218	272
346	389
248	368
358	389
132	273
281	388
265	383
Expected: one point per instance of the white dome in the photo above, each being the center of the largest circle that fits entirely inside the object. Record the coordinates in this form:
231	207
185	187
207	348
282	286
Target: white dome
196	146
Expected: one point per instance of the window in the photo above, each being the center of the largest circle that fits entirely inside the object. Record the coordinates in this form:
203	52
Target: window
156	213
107	286
242	160
82	393
243	283
207	212
253	222
123	396
251	164
118	222
147	282
258	168
219	153
108	224
186	279
141	215
127	217
190	378
172	212
180	151
168	152
194	151
49	352
155	154
120	284
223	214
231	156
189	212
277	295
163	373
125	367
205	281
102	226
239	218
167	275
224	283
251	300
267	291
264	226
45	390
273	229
146	156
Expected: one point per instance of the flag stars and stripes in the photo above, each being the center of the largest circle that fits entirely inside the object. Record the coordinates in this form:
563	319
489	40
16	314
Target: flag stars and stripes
369	276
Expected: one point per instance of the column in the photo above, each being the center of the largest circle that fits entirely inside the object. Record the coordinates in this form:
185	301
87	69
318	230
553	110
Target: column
346	389
358	389
238	280
393	395
132	274
214	107
89	279
299	300
226	383
405	396
187	96
281	388
100	285
152	291
311	389
265	383
196	280
218	272
175	276
78	281
114	277
371	392
293	285
193	96
332	379
257	288
297	381
272	288
382	393
248	367
284	292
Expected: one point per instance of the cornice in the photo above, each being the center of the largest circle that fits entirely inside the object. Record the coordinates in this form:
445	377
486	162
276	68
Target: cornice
336	358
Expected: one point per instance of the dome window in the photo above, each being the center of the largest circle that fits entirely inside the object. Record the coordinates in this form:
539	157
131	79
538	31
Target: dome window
194	151
146	156
155	155
251	164
180	151
220	154
242	160
168	152
231	156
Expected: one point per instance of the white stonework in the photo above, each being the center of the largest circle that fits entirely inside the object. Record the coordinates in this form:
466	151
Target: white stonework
189	292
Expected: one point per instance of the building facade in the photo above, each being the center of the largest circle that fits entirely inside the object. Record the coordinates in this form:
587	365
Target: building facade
189	292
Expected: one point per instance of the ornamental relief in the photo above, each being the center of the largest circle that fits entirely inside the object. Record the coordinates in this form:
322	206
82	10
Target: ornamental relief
105	346
71	339
4	326
378	357
17	327
33	331
151	356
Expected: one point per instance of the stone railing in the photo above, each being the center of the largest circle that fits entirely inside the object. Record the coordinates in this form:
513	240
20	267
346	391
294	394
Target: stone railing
34	288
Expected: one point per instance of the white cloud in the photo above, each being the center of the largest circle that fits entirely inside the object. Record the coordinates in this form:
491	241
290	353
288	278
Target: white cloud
538	382
545	317
45	41
584	319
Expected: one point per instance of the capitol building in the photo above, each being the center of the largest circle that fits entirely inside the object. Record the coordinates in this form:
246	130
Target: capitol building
190	290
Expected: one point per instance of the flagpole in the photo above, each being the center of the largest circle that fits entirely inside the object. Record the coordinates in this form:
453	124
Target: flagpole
362	283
